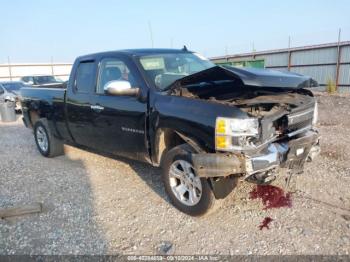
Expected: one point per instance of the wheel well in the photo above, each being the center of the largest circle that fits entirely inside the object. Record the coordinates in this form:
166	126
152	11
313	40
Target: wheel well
167	139
34	117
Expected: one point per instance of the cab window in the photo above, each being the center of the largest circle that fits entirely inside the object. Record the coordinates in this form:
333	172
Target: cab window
85	77
112	69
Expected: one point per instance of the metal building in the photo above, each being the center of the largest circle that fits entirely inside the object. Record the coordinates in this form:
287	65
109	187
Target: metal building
326	62
16	71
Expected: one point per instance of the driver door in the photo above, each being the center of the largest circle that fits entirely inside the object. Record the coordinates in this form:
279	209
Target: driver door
118	122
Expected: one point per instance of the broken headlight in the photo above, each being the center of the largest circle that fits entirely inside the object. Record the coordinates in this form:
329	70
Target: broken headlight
235	134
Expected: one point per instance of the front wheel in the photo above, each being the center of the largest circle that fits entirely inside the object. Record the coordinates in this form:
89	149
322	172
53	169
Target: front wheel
187	192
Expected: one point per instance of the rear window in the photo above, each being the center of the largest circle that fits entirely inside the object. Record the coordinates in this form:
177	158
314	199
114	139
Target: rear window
40	80
85	77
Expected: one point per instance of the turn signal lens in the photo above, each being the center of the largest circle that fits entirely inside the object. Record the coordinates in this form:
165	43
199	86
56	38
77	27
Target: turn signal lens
220	126
222	142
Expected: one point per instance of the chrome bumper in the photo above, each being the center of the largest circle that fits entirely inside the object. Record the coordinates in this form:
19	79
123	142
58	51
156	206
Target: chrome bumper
269	159
291	154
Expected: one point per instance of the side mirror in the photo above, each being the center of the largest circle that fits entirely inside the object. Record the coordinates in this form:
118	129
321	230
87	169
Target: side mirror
120	88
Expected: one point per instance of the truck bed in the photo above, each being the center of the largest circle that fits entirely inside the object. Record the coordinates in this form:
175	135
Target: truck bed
44	103
42	93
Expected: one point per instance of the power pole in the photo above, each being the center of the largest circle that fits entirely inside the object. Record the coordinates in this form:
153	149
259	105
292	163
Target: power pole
289	54
52	73
10	71
338	61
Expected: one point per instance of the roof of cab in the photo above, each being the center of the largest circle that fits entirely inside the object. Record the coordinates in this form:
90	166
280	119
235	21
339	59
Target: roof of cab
135	52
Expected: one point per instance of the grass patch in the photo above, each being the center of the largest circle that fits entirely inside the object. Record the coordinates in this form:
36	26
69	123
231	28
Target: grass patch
331	87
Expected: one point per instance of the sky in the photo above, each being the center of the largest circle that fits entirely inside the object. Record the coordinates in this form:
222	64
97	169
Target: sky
41	30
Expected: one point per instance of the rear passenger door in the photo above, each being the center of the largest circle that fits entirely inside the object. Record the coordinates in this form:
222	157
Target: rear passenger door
78	103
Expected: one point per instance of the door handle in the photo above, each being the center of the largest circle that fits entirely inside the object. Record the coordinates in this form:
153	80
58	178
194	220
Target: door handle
97	108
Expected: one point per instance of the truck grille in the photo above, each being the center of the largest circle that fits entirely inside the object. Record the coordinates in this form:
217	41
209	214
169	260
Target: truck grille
300	125
300	120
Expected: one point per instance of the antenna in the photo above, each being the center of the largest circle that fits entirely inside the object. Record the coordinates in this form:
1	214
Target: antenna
151	33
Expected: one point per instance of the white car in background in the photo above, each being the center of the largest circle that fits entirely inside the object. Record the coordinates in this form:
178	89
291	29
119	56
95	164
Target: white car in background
47	81
10	91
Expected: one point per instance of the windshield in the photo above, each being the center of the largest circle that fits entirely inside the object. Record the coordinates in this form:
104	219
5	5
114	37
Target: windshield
164	69
13	86
44	80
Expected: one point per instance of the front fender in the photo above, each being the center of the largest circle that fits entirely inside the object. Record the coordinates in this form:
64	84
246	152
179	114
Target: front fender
192	119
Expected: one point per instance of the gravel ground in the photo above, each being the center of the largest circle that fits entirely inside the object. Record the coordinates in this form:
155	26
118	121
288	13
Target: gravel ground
98	205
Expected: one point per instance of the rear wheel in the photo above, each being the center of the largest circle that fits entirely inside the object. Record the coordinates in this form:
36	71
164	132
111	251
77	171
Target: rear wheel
48	145
187	192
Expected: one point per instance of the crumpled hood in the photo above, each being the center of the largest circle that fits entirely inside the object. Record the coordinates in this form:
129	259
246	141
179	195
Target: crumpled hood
249	76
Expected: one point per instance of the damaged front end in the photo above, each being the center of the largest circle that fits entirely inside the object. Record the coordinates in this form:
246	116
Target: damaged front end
263	165
277	129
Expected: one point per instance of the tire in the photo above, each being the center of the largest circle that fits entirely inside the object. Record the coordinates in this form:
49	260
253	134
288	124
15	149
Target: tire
202	196
52	147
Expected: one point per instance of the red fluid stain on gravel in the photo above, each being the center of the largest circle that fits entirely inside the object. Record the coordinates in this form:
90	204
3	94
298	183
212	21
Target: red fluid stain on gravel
271	196
265	223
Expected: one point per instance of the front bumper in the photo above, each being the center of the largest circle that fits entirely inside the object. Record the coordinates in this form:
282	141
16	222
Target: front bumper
290	154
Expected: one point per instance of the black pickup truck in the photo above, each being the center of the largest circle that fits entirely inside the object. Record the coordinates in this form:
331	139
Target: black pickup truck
207	126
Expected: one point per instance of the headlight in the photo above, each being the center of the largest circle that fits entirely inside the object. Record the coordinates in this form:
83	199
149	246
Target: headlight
315	117
235	134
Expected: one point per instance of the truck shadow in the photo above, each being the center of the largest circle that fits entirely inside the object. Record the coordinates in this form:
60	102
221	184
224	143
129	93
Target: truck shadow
150	175
67	224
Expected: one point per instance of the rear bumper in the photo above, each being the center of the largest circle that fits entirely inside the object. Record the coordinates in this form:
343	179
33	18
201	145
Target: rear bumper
18	106
25	122
290	154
